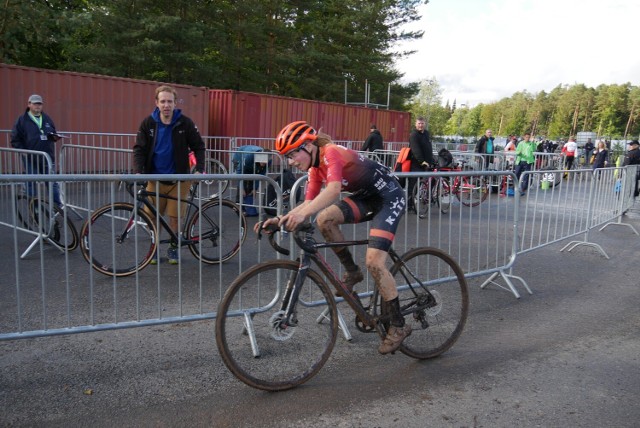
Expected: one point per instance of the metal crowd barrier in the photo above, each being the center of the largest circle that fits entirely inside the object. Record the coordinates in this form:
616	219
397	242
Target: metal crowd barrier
52	292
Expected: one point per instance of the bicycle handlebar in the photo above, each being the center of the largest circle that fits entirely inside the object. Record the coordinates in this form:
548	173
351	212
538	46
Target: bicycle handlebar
305	242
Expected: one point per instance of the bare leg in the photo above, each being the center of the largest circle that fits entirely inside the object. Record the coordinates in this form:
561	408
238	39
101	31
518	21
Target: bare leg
376	264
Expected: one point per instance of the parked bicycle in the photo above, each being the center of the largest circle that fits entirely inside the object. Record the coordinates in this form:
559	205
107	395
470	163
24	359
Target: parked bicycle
120	239
211	189
47	219
437	191
277	323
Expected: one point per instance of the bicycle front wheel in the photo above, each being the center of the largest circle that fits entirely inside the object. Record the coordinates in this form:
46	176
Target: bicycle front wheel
216	231
117	241
472	191
214	188
444	195
250	336
52	223
433	298
422	197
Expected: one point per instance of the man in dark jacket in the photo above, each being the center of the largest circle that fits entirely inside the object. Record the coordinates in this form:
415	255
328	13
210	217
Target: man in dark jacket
162	146
373	141
632	157
485	146
34	130
421	155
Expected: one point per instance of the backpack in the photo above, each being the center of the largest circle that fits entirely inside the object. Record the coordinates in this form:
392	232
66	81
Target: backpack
271	199
403	162
445	158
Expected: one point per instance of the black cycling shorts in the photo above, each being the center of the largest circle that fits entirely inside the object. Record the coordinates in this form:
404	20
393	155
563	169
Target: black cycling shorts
384	208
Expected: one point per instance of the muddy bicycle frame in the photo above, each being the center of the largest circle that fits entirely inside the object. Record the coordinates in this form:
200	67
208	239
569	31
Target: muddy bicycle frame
308	253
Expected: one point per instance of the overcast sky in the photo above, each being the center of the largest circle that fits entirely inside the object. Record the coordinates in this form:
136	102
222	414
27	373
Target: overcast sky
483	50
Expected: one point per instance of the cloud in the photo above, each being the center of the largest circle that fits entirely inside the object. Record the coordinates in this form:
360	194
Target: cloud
484	50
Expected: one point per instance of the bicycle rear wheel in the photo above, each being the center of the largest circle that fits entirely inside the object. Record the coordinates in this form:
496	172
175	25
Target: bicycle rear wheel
117	243
51	222
472	191
217	231
251	342
437	317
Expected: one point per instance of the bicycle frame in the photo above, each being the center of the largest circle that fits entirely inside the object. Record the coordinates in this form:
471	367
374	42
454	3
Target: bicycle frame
142	200
309	254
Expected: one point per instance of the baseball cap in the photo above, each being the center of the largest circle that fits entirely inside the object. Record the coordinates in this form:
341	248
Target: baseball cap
35	98
373	127
634	143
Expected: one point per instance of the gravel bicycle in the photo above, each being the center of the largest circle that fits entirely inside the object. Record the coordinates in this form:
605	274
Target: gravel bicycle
120	239
49	220
277	323
438	191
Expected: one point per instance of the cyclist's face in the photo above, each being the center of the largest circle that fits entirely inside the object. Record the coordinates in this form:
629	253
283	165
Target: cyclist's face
300	158
166	103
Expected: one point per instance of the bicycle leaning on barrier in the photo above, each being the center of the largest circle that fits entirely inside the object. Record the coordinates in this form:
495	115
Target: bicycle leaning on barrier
120	239
277	323
48	220
438	191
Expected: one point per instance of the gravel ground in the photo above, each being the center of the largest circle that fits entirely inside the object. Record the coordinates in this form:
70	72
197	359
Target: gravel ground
568	355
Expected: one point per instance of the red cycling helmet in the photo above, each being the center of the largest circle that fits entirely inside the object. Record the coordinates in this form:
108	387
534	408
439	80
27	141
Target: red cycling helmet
294	135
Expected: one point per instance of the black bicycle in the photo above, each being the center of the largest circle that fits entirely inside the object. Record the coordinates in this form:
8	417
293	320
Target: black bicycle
119	239
277	323
49	220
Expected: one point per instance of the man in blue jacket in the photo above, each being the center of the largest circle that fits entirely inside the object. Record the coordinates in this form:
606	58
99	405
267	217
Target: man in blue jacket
162	147
34	130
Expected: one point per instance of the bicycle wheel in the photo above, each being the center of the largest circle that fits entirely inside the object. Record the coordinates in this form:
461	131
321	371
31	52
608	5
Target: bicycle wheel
212	189
51	222
117	243
444	195
217	231
23	212
438	317
472	191
251	342
422	197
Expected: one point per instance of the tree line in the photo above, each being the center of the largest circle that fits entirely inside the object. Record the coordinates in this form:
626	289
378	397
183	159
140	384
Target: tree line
611	111
298	48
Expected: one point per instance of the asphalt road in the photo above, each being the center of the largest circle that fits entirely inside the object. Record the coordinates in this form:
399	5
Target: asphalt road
568	355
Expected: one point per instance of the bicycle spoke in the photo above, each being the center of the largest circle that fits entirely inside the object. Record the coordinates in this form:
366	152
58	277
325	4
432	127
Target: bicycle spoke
255	343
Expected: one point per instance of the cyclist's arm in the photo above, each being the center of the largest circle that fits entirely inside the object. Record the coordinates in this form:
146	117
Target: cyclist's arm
301	213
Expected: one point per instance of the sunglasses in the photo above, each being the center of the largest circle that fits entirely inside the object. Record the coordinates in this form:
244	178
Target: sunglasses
292	153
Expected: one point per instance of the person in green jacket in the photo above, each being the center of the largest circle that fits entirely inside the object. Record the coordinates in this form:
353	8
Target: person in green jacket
525	157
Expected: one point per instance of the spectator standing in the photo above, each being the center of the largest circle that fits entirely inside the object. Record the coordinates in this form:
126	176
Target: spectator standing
162	146
525	157
485	146
588	149
374	141
421	155
601	156
632	157
35	130
569	151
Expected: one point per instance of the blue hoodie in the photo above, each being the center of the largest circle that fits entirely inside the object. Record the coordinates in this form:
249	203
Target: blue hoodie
163	160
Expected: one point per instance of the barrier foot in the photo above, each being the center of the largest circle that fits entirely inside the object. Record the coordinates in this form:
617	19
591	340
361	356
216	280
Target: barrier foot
619	224
507	277
342	324
574	244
